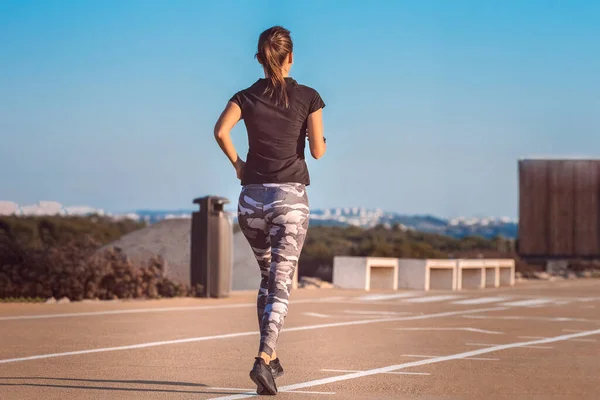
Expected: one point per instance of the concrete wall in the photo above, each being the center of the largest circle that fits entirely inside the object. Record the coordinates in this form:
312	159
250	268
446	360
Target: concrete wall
492	278
412	273
170	239
350	272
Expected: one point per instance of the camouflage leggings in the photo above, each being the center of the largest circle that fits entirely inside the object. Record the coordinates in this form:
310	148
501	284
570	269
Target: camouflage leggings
274	219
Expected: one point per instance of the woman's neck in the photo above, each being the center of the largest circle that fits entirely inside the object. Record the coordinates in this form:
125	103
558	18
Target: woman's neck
286	74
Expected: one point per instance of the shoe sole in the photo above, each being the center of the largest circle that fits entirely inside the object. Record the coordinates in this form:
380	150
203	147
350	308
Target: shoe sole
262	386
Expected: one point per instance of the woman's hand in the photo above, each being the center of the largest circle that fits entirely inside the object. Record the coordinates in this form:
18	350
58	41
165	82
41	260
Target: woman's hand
239	166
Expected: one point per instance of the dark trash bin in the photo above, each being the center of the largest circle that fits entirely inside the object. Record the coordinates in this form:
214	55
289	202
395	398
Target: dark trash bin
211	261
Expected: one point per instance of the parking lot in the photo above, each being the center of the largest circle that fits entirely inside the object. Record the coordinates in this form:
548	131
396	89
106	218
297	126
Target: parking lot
536	340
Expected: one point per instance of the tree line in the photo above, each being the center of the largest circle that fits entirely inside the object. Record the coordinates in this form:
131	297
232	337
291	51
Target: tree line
43	257
323	243
59	256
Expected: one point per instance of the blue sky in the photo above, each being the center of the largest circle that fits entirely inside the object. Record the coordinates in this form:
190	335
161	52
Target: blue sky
429	103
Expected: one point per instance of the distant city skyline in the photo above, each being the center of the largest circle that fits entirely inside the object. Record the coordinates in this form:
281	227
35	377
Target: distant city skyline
430	104
348	216
46	207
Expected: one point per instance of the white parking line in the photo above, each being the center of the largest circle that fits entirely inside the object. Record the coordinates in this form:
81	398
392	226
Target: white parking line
451	329
545	337
531	337
152	310
528	303
586	299
314	314
492	345
396	303
431	299
251	333
393	373
562	298
131	311
521	317
393	368
466	358
308	392
365	312
334	298
369	315
481	300
377	297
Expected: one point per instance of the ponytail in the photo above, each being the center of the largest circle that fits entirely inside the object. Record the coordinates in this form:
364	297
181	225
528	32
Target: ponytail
274	46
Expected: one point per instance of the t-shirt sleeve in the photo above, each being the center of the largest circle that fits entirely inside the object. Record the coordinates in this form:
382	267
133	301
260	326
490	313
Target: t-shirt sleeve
238	99
316	102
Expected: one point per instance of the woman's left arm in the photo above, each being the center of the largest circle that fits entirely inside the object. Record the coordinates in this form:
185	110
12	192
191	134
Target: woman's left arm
229	117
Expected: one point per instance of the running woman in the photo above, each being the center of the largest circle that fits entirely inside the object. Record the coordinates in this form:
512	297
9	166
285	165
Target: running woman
273	210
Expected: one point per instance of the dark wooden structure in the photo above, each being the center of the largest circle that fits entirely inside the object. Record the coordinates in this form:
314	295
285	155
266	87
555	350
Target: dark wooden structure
559	209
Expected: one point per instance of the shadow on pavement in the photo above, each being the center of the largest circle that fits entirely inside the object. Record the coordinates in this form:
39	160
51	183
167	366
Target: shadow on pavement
22	382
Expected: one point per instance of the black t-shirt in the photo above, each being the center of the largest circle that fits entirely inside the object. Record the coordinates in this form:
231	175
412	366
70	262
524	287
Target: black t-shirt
276	135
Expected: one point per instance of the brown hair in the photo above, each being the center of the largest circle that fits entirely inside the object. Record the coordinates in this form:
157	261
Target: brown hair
274	46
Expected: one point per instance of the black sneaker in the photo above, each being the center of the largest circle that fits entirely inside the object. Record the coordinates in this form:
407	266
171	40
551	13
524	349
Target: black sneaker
262	376
276	368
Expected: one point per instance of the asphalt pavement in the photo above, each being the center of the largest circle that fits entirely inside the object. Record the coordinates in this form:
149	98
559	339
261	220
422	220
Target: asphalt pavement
537	340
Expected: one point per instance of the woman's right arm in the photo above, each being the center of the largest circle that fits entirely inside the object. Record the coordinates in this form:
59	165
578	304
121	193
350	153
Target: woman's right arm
315	134
228	119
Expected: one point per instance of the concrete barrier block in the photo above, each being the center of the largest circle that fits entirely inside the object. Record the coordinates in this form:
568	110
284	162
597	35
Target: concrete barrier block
426	274
492	274
506	272
470	274
365	273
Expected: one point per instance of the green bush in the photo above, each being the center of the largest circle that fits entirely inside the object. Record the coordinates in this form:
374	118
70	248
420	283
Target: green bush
60	259
36	231
42	257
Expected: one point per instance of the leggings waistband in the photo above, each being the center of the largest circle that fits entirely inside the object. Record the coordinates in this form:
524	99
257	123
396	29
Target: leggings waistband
273	185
